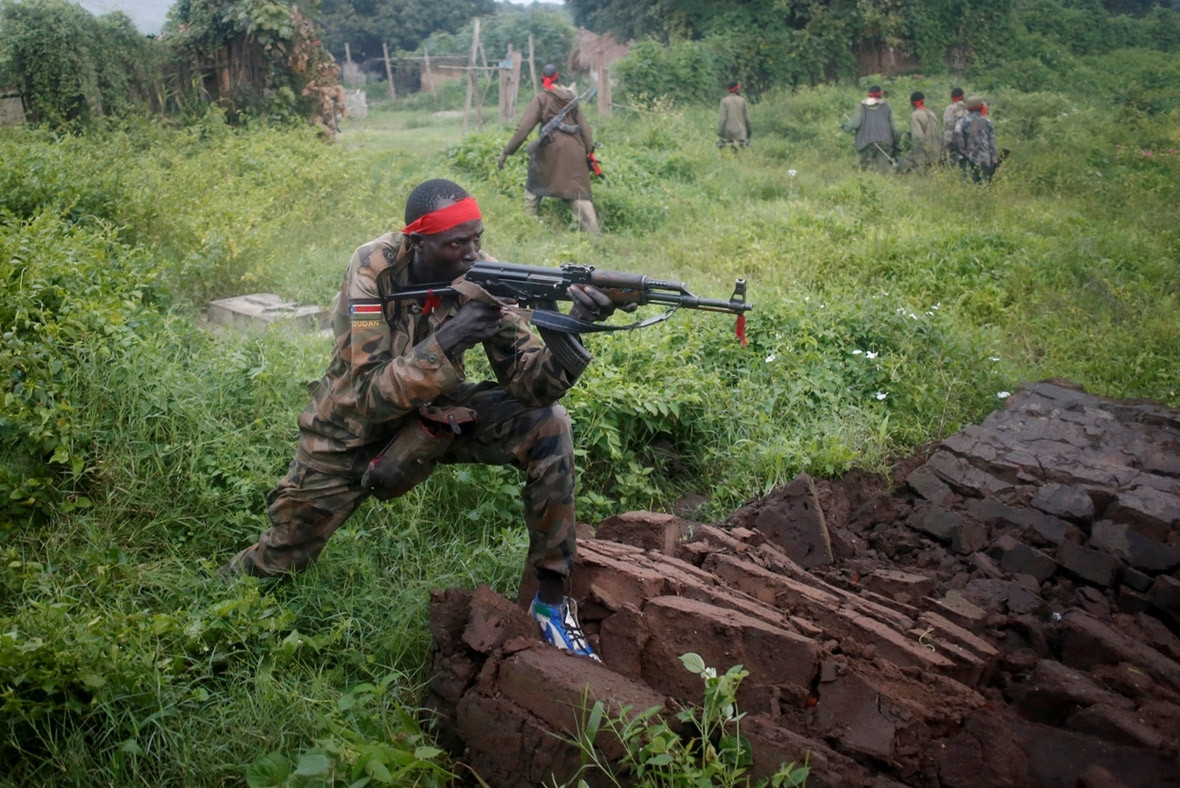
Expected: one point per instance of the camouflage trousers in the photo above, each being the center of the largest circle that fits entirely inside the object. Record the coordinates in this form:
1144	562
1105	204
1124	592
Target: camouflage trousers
309	504
875	157
583	211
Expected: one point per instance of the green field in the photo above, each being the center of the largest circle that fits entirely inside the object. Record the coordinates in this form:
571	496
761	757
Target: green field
137	448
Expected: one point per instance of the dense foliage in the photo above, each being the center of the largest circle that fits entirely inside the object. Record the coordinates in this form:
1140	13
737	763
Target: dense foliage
70	66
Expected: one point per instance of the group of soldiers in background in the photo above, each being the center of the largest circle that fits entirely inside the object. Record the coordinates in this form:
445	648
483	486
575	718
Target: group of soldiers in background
966	138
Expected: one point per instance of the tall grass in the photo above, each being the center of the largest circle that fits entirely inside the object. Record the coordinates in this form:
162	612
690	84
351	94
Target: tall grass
889	311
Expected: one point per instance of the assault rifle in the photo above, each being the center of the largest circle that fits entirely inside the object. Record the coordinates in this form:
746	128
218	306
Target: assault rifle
537	290
546	133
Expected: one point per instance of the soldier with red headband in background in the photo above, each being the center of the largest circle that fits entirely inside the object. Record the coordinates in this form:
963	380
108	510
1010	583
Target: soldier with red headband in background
875	135
733	119
558	167
395	397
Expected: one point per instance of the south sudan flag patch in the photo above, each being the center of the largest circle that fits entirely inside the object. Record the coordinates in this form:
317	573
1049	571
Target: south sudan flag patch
365	312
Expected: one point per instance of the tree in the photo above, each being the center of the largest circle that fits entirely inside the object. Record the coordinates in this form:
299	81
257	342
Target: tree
401	24
70	66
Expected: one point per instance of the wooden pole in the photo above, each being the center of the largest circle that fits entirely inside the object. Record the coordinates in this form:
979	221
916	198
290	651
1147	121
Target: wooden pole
347	54
388	70
532	64
471	73
429	76
604	98
515	87
506	89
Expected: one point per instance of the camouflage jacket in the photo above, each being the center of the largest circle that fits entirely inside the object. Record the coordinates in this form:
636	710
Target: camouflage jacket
951	116
386	363
975	139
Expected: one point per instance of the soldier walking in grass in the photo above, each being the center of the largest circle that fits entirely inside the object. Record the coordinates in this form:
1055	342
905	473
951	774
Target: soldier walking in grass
875	136
925	136
733	120
395	401
558	167
954	111
974	141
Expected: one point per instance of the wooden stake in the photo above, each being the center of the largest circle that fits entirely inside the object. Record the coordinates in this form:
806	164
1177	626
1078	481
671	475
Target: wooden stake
388	70
471	73
532	64
429	76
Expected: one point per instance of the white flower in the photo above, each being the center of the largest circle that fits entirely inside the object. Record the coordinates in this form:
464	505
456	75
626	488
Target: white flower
1003	394
791	173
881	395
993	358
710	673
771	358
870	354
857	352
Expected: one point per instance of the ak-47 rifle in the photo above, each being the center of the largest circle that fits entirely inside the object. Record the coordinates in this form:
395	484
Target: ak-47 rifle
537	290
546	133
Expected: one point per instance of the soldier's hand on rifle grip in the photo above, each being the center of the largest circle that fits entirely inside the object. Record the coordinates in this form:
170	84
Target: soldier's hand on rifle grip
591	304
474	323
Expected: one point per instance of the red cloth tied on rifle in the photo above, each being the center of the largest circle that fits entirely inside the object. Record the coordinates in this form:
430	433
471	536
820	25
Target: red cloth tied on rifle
740	329
443	219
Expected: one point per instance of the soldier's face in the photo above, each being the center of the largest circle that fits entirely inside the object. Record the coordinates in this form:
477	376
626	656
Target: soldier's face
447	255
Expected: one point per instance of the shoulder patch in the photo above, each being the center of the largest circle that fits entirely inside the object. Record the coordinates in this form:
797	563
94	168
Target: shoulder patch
364	308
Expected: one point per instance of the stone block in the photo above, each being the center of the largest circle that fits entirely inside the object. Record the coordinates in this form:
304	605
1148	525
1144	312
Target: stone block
1133	547
259	311
1064	501
791	518
1020	559
1092	566
1165	593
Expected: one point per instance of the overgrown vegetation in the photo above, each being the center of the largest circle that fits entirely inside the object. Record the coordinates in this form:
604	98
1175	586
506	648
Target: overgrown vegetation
136	447
702	747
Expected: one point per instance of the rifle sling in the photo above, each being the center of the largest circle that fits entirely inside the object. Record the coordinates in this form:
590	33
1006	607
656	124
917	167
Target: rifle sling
563	323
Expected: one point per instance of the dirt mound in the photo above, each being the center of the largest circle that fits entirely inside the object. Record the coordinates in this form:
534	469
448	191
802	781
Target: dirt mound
1002	612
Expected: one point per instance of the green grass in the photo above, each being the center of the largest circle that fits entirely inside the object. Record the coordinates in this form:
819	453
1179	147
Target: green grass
137	450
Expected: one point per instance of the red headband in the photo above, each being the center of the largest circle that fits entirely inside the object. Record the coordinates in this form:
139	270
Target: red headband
874	94
549	81
736	88
443	219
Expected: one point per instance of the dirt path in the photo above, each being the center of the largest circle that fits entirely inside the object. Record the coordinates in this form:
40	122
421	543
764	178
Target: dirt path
1003	611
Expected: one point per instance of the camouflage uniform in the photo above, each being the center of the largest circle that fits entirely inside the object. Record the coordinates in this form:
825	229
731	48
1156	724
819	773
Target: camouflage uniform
974	141
386	364
950	116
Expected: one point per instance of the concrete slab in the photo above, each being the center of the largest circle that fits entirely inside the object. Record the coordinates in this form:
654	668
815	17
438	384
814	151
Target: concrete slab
258	311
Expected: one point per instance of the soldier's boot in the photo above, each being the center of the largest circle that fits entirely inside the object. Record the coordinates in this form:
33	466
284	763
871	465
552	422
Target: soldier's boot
559	627
531	202
587	218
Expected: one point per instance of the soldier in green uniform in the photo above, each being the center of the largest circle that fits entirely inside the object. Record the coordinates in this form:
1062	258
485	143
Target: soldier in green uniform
925	136
733	119
396	389
558	168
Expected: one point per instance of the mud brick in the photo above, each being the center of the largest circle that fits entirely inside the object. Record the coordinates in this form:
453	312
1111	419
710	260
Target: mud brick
1131	601
938	522
962	611
897	585
969	668
646	530
968	536
1087	642
1134	578
984	753
1153	513
965	478
627	576
723	638
1141	552
791	518
1066	502
853	712
1055	692
964	637
1058	757
925	483
1165	593
1117	724
1092	566
774	745
1020	559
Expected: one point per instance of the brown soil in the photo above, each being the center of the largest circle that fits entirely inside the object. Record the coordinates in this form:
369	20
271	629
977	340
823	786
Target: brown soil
1002	610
